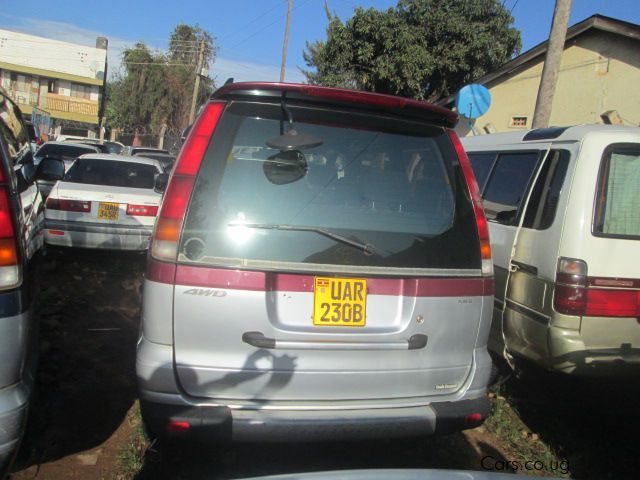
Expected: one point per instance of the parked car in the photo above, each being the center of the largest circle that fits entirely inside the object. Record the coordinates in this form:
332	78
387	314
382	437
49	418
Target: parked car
65	151
21	218
105	146
294	299
103	201
562	206
166	159
140	150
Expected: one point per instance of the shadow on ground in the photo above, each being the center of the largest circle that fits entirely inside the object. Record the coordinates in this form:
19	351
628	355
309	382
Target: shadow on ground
89	315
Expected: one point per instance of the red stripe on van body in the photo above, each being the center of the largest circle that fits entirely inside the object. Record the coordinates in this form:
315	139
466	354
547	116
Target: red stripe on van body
286	282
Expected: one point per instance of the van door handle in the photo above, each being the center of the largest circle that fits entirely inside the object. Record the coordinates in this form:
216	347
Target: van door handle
258	340
519	266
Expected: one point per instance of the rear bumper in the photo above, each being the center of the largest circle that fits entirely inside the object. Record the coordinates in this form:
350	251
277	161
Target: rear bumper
163	402
97	235
228	424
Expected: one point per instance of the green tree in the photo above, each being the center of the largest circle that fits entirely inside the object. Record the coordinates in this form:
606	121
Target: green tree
154	89
424	49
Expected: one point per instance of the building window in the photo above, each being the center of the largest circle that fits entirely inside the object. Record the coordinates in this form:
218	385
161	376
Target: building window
51	88
519	121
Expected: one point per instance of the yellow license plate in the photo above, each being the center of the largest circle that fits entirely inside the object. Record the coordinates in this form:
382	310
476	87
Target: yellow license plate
340	302
108	211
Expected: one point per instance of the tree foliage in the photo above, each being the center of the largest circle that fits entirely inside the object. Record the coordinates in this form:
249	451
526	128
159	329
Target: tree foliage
155	88
424	49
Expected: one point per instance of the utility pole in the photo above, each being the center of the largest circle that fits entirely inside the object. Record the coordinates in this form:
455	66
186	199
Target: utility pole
286	41
196	84
551	67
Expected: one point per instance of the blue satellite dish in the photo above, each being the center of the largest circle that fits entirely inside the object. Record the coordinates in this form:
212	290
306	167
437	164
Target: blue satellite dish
473	100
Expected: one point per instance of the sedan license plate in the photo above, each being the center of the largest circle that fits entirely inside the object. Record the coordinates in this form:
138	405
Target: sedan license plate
108	211
340	302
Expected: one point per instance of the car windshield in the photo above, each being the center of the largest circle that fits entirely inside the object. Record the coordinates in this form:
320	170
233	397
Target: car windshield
388	185
111	173
63	152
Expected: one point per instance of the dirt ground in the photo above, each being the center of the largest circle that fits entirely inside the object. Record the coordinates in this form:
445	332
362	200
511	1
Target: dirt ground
84	411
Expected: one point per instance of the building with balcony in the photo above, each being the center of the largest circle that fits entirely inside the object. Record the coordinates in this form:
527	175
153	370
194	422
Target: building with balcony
65	80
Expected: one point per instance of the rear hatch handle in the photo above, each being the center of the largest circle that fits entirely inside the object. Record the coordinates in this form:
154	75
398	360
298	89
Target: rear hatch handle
258	340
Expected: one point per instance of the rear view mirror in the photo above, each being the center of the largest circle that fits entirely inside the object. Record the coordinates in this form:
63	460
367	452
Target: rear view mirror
50	169
294	141
160	182
285	167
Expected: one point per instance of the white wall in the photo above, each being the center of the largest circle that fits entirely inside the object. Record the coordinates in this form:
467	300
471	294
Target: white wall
38	52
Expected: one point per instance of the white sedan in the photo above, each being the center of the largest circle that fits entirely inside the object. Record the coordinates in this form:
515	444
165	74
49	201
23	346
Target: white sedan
104	201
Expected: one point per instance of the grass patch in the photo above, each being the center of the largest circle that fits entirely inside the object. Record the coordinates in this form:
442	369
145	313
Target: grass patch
526	447
131	456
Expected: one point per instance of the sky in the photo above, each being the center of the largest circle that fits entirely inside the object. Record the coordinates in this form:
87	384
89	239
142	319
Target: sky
248	33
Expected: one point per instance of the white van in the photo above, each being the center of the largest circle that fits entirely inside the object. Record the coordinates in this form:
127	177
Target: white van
563	206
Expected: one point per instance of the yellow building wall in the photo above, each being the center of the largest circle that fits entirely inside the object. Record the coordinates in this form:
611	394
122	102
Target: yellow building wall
600	71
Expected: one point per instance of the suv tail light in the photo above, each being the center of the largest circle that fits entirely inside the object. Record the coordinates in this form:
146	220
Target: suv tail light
570	292
474	191
142	210
68	205
578	294
164	243
9	264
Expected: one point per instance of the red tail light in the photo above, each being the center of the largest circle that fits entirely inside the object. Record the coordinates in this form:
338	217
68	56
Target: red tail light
178	428
142	210
9	264
474	191
164	243
577	294
68	205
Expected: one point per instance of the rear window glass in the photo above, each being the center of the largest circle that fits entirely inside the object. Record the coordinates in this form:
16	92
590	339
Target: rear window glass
507	185
111	173
392	185
481	164
63	152
618	201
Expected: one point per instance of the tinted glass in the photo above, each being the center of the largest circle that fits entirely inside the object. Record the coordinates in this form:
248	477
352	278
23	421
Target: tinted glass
507	185
111	173
618	201
63	152
481	164
541	210
390	184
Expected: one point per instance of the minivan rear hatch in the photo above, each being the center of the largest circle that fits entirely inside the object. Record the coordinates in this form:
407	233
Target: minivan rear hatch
339	262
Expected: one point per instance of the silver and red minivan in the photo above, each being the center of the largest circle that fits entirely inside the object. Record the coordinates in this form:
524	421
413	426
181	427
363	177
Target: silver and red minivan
320	269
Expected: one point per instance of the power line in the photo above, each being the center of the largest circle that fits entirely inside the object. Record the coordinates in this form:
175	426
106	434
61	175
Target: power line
251	22
514	6
268	25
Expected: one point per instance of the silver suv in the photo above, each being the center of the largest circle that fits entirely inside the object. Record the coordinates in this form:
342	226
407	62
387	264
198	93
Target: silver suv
21	220
320	269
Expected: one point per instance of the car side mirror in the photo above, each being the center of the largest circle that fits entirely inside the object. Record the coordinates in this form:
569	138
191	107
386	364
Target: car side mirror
50	169
160	182
28	172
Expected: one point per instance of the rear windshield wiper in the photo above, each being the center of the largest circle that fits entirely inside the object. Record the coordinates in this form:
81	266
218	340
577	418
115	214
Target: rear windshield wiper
354	242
